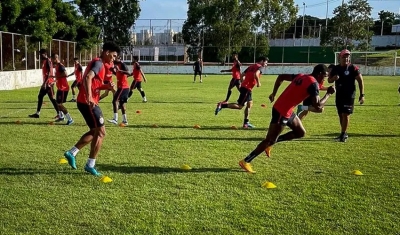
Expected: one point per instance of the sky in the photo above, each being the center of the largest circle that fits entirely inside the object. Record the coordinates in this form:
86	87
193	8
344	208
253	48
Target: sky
176	9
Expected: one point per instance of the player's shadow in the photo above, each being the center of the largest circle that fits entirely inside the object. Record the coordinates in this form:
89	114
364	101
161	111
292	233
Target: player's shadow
126	169
192	127
213	138
334	135
26	123
30	171
179	102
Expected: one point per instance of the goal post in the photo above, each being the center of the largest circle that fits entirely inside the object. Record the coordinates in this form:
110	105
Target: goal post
381	59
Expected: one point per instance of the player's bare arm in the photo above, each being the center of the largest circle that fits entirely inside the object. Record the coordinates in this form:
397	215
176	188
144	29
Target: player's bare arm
87	84
278	82
333	78
257	76
144	77
47	75
318	103
360	82
242	77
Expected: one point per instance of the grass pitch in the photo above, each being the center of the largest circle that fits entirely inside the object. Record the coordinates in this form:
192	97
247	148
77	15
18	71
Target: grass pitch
316	192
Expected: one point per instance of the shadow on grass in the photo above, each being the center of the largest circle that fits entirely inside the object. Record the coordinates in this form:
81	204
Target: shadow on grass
178	102
372	105
192	127
160	170
31	171
240	138
334	135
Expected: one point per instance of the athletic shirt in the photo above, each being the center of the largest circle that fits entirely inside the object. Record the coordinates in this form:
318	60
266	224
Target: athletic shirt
236	69
47	70
122	78
78	72
250	80
346	84
109	73
61	82
137	75
298	90
97	66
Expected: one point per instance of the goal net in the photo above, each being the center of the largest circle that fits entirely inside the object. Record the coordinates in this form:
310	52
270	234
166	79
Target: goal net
374	60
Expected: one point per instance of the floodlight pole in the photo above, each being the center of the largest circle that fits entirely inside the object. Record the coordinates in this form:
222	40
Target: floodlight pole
302	26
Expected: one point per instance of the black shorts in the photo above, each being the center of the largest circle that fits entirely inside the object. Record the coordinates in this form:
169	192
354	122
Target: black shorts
93	117
121	95
345	105
197	72
244	97
308	101
277	118
136	85
61	97
47	91
234	82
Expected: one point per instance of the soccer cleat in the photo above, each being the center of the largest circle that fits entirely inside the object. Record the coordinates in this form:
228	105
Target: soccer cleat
344	138
248	125
57	116
268	151
115	122
299	109
60	120
72	100
71	159
218	109
125	123
35	115
92	170
246	166
70	122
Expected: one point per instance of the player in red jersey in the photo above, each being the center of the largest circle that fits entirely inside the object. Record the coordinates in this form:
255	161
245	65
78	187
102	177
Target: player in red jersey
298	90
235	81
62	89
47	85
252	78
87	102
121	95
78	78
138	77
108	79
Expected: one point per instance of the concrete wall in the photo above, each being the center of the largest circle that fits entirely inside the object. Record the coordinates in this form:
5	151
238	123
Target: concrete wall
33	78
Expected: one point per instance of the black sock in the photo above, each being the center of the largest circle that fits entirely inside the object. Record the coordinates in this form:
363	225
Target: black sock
53	101
250	157
40	103
228	95
130	94
142	93
224	105
246	121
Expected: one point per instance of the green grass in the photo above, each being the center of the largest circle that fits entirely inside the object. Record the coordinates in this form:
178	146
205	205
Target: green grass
316	192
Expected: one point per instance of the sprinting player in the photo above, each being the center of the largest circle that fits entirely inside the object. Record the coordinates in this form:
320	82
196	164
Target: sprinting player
298	90
138	77
121	95
87	102
252	77
235	81
47	87
108	79
62	89
306	107
345	75
197	69
78	78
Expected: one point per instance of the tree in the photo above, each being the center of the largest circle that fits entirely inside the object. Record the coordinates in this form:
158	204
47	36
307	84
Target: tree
9	12
352	23
115	17
383	25
221	27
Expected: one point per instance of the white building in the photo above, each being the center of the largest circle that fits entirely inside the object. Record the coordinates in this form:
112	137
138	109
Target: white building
148	37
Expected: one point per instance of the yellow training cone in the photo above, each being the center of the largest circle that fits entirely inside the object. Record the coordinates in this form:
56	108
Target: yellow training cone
268	185
186	167
106	179
62	161
357	172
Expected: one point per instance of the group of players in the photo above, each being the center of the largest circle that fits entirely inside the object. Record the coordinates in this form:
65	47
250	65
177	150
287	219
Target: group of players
98	73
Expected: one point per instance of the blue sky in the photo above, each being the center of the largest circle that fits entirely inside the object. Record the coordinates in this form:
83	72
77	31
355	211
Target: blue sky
176	9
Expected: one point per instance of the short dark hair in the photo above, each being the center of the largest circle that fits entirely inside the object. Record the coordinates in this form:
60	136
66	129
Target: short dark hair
54	55
320	68
76	58
331	66
43	51
111	46
262	58
136	58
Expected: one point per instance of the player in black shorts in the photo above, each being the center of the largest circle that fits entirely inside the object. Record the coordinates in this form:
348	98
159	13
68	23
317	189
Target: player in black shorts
198	68
345	75
78	78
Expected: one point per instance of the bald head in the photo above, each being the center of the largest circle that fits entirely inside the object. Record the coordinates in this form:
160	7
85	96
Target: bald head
54	58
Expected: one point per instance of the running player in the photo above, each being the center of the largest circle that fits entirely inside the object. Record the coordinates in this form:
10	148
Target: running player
235	81
47	87
121	96
252	77
78	78
62	89
138	77
198	69
298	90
345	75
87	102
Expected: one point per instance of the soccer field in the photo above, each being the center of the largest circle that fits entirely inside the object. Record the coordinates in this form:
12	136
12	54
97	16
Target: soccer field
316	192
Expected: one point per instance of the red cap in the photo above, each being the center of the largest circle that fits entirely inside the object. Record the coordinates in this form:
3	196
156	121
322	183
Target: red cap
344	52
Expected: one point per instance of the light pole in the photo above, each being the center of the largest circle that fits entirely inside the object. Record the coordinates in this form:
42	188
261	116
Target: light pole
302	26
326	18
